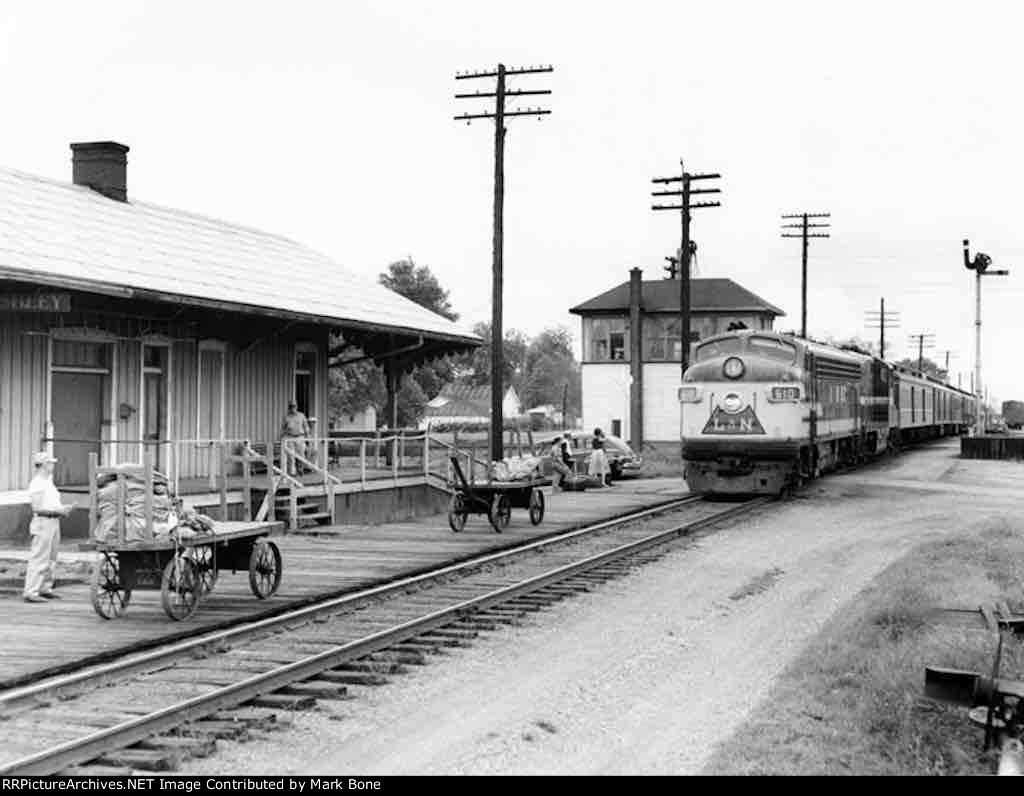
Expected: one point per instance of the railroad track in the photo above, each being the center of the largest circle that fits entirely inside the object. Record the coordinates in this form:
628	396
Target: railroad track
147	711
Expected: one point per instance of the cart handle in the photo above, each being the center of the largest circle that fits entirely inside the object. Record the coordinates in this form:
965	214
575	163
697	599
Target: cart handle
460	475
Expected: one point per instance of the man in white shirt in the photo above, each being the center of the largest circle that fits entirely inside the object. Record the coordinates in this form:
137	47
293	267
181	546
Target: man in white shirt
45	531
294	430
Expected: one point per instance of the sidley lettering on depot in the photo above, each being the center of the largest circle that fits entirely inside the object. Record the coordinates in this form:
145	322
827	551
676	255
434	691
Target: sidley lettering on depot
35	302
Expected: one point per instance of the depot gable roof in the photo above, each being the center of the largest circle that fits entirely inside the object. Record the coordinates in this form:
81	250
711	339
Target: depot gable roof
68	235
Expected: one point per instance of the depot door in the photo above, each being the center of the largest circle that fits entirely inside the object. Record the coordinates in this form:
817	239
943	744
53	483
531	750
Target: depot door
79	392
77	415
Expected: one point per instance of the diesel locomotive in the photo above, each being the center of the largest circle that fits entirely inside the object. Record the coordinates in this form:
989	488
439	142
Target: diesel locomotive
762	412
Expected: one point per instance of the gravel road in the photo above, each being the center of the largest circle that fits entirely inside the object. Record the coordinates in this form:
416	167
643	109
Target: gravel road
647	674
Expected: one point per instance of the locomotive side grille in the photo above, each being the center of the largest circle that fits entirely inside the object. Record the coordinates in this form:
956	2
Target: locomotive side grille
837	369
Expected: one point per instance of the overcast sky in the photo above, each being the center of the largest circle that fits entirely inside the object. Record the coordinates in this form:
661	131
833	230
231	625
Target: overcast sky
331	122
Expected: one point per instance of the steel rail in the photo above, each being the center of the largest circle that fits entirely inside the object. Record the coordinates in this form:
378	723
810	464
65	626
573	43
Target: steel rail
81	750
122	667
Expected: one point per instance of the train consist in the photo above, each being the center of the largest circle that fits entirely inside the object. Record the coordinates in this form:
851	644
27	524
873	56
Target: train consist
762	412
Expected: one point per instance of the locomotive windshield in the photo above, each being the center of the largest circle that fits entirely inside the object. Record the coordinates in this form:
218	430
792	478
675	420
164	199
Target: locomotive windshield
772	348
719	348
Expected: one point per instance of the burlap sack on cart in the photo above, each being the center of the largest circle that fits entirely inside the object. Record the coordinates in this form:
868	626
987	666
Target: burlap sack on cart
164	518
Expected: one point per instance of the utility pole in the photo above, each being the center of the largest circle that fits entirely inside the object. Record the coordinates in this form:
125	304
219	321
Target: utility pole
925	340
686	247
881	319
805	226
979	265
500	114
948	353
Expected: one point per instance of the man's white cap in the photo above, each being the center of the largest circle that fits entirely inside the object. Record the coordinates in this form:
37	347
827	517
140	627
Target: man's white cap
41	458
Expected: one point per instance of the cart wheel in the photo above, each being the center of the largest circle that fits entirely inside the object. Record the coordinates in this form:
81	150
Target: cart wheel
501	512
206	567
536	507
264	568
180	588
456	512
109	594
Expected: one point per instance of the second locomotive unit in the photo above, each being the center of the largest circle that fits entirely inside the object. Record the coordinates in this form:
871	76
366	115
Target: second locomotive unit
762	412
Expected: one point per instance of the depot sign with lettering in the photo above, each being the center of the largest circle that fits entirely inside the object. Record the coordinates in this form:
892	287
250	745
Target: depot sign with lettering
35	302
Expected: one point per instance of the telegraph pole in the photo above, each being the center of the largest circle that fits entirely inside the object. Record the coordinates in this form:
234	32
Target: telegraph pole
979	265
880	319
925	340
500	94
805	226
687	247
948	353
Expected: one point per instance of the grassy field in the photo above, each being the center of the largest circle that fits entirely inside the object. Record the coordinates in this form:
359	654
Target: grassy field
853	703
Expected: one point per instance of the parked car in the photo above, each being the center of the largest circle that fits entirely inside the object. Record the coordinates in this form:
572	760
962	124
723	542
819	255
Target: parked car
622	461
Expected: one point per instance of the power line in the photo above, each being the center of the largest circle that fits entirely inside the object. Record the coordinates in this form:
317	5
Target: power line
500	94
805	227
686	246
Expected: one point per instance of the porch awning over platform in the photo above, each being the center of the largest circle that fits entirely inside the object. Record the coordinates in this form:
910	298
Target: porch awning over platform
69	236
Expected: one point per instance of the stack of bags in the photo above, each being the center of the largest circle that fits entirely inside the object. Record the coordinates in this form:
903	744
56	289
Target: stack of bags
168	515
516	468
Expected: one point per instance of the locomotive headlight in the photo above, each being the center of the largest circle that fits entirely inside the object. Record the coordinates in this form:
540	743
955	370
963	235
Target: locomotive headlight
732	403
733	368
785	394
689	395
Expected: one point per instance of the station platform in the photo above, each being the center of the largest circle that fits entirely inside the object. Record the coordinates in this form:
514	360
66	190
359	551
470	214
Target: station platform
61	634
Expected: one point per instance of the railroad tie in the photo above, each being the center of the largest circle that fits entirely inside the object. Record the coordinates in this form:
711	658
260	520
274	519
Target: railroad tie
96	771
449	632
142	759
353	678
219	729
284	701
187	745
315	688
371	667
442	640
390	655
253	718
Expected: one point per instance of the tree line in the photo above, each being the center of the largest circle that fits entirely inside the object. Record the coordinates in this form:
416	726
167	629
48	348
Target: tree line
543	369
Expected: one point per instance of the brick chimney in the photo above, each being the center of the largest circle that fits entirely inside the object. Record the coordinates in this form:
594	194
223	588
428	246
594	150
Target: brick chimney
102	166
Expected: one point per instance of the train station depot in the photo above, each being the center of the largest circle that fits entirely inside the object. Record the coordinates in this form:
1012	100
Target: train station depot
126	327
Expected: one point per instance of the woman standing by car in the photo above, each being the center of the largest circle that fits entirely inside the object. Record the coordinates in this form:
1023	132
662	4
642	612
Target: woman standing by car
598	461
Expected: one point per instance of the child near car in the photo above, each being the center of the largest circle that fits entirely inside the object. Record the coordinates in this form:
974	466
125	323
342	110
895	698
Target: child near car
561	461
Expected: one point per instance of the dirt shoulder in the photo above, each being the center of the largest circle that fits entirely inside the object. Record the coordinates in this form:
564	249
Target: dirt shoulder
853	701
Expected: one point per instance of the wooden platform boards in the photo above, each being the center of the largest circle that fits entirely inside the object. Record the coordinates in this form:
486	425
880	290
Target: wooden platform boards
322	560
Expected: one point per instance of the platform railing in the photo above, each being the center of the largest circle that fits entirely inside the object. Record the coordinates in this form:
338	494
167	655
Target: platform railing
341	458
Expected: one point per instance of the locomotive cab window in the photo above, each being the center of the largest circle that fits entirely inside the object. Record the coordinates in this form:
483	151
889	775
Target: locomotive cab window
771	348
719	348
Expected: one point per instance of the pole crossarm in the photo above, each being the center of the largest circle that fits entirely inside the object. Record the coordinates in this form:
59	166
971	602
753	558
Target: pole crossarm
525	70
506	115
513	93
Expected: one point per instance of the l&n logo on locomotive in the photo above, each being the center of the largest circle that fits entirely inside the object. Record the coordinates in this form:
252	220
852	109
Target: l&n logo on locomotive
743	422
